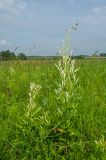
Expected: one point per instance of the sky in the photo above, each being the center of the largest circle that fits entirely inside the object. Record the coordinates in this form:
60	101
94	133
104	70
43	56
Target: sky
37	27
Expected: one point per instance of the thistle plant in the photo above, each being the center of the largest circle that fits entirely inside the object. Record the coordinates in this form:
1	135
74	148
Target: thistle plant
34	90
65	92
67	70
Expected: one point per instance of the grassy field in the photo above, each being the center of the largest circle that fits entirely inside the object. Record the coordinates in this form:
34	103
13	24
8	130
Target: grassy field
40	120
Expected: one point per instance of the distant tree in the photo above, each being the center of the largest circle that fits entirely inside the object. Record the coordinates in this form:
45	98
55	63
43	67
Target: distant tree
102	54
7	55
22	56
80	56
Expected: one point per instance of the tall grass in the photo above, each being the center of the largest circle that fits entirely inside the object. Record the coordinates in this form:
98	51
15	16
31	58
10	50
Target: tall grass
53	111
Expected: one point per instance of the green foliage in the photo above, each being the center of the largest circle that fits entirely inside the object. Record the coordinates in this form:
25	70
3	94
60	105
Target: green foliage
76	131
102	54
22	56
7	55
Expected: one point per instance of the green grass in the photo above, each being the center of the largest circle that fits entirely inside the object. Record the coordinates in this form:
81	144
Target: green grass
53	130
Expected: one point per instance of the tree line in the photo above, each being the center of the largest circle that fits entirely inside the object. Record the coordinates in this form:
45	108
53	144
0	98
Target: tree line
8	55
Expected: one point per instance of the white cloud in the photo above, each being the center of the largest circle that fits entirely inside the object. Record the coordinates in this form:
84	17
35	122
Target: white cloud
96	16
99	9
90	20
96	9
3	42
13	7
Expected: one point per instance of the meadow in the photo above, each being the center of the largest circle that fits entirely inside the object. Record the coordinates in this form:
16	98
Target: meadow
46	116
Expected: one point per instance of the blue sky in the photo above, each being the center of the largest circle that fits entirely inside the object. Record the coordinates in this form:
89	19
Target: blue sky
37	26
